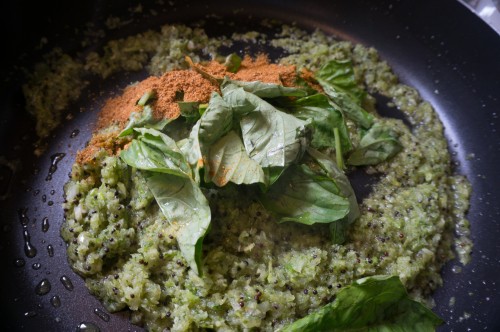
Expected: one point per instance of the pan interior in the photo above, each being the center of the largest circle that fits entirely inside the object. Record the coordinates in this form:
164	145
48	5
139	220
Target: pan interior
415	57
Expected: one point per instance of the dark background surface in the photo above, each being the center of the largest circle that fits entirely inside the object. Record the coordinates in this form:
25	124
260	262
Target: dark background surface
441	48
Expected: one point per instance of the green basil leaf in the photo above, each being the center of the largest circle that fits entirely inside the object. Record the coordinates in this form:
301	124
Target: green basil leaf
323	163
266	90
216	121
240	101
352	110
300	82
272	175
233	62
305	196
374	304
228	161
190	148
338	231
146	97
183	204
190	110
341	180
154	151
377	145
144	119
339	83
340	75
273	138
324	118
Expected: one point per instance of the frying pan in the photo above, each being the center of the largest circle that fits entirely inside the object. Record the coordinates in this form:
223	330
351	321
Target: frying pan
439	47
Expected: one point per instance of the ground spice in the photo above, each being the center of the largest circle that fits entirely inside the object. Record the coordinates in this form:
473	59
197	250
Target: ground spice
101	140
118	109
261	70
190	84
172	87
258	69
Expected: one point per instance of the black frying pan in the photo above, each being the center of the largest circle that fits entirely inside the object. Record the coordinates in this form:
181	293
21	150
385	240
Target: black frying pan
440	47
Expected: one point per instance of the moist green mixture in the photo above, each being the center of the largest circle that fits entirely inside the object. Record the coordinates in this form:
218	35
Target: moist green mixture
259	274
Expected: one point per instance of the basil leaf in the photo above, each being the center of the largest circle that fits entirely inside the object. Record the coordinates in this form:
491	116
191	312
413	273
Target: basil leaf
341	180
190	148
273	138
146	97
352	110
339	83
190	110
240	101
272	175
339	74
183	204
300	82
324	164
155	151
377	145
304	196
378	303
266	90
228	161
144	119
338	231
324	118
233	62
215	122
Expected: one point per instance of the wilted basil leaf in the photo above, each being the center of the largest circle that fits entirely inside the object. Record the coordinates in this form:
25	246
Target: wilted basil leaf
183	204
377	145
305	196
339	83
144	119
378	303
155	151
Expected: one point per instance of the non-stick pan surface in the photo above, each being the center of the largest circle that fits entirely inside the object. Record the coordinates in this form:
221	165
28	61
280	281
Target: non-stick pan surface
440	47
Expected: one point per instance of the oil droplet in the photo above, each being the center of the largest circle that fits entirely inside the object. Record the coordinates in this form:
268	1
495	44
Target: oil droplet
55	159
74	133
50	203
36	266
101	314
87	327
36	192
23	218
30	313
58	319
55	301
45	224
67	283
52	192
19	262
44	198
50	250
43	287
29	250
